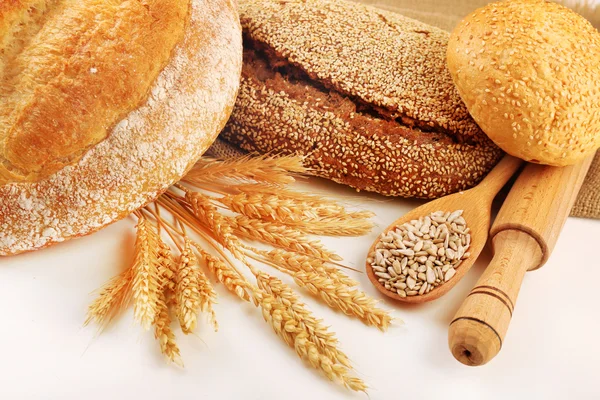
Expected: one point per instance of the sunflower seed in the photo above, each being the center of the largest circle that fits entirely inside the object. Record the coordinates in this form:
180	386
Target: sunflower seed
430	275
454	215
418	246
449	274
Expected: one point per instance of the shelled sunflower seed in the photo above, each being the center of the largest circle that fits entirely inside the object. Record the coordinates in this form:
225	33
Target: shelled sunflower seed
422	254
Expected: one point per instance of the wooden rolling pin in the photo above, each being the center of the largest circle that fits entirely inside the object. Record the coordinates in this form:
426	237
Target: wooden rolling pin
523	236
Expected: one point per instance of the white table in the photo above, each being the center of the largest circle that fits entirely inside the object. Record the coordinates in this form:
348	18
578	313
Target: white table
552	350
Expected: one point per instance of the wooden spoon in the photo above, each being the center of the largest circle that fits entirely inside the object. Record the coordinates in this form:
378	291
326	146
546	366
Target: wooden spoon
477	206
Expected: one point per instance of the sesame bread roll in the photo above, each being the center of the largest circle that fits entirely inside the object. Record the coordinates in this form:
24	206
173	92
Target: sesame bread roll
104	105
363	94
529	72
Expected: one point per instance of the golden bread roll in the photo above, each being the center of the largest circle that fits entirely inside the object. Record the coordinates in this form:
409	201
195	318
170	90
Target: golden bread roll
104	105
529	72
363	94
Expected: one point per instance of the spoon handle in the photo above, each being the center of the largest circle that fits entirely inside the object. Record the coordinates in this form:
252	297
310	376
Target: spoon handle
497	178
523	236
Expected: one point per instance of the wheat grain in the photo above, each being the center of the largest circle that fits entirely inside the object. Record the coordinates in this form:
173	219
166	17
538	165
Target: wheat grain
113	298
164	334
279	235
350	301
187	291
145	273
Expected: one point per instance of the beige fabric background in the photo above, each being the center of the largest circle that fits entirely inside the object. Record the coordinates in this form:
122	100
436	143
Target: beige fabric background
446	14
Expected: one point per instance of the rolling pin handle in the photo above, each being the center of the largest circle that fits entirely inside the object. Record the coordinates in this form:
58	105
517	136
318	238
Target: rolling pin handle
479	327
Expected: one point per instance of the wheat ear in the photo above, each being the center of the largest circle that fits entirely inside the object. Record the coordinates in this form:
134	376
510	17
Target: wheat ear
350	301
167	268
113	298
187	290
225	274
217	223
289	328
280	236
333	227
145	273
291	262
316	205
277	206
208	298
266	169
164	334
318	333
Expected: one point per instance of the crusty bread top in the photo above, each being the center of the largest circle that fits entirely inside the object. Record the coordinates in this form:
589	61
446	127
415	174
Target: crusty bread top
381	58
529	71
70	70
147	151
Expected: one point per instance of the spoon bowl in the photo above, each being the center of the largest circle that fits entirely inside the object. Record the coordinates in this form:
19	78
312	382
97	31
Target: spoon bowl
476	204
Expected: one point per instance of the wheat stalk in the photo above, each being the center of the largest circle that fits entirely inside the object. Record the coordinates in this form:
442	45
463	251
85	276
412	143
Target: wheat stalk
350	301
164	334
145	273
265	169
280	236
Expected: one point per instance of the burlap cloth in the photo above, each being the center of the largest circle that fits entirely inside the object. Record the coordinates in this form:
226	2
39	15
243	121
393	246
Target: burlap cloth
446	14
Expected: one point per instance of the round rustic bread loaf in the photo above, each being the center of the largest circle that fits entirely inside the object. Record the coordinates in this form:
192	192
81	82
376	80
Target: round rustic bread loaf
362	93
104	105
529	72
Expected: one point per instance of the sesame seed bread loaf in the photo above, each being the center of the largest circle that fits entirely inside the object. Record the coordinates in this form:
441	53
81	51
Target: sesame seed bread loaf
363	94
104	105
529	72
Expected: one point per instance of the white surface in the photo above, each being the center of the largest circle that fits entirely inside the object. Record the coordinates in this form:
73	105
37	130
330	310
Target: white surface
552	349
